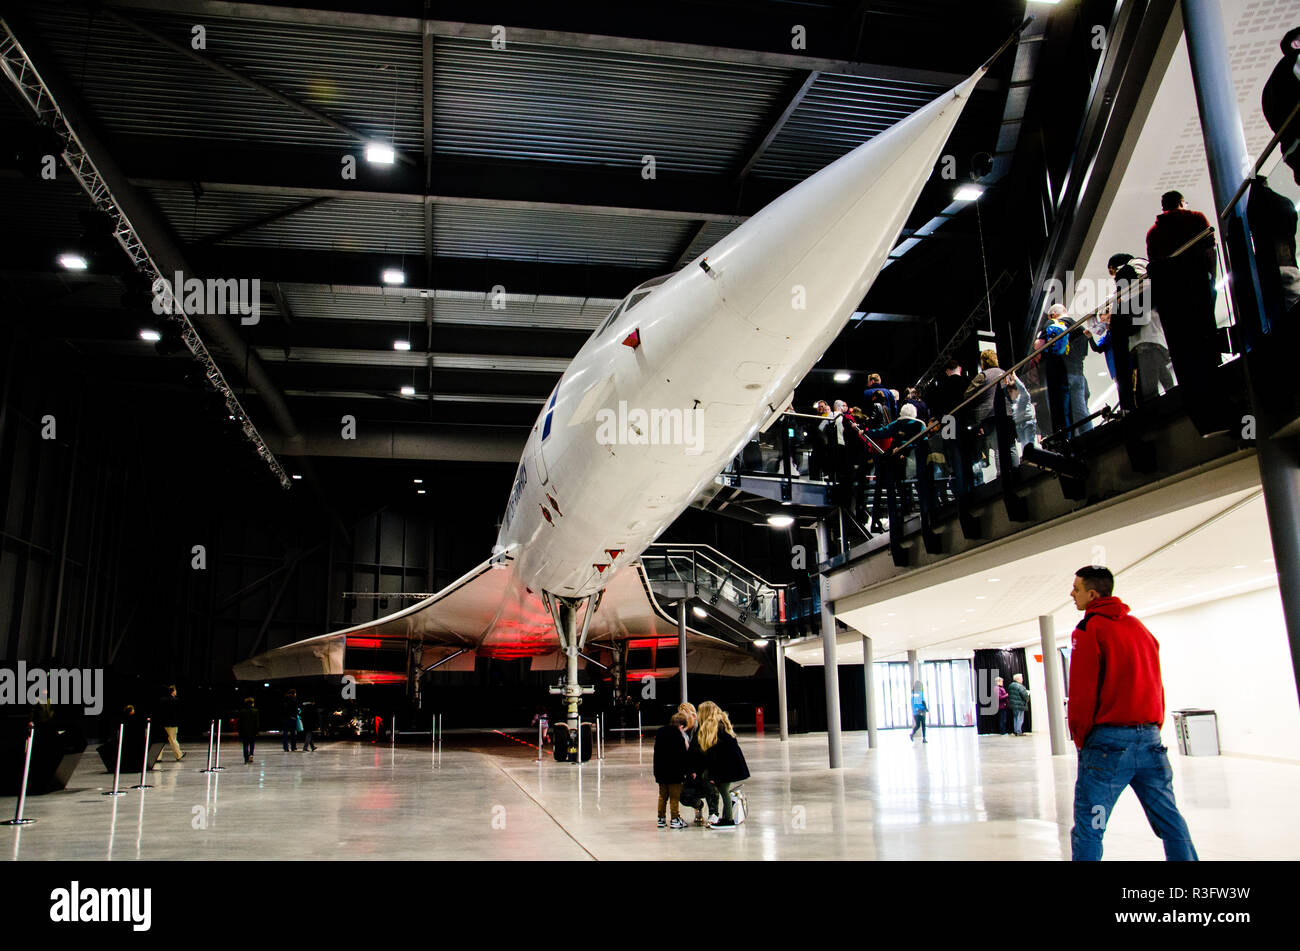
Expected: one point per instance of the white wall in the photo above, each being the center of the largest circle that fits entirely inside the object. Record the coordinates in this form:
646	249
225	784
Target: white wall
1229	655
1232	656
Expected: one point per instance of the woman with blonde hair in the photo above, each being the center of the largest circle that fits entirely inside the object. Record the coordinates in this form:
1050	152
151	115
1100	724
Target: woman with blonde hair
725	762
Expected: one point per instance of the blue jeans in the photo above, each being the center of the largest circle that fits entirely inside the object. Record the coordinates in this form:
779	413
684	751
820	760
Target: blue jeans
1018	721
1076	402
1114	757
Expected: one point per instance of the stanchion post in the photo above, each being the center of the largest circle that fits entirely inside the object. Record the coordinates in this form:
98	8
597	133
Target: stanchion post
393	738
216	759
117	767
18	819
212	726
144	764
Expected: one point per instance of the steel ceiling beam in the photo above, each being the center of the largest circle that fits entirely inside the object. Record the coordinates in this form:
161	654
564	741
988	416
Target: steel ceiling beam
181	49
140	231
571	39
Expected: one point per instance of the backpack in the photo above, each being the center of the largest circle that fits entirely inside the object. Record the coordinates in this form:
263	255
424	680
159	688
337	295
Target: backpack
1058	344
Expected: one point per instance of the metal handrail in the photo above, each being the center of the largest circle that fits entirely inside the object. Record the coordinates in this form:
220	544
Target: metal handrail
1259	163
1104	307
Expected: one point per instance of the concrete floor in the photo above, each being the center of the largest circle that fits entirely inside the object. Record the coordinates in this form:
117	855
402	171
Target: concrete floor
958	797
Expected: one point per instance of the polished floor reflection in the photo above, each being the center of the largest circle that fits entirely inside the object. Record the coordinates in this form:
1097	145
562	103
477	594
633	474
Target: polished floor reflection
487	797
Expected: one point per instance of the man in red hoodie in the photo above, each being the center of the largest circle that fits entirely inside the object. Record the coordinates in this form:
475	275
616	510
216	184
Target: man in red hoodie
1117	704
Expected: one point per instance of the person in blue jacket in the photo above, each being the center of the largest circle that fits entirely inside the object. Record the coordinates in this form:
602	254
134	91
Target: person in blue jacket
919	710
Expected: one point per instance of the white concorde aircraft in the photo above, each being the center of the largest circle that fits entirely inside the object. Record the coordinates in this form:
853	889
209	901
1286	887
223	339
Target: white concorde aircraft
674	382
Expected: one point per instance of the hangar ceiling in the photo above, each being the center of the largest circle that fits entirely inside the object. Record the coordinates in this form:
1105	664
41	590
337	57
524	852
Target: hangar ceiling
520	170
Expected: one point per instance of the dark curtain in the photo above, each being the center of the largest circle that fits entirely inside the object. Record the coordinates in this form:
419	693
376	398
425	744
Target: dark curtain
989	665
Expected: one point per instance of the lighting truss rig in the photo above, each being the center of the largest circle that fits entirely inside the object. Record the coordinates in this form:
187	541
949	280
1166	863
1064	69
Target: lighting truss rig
20	71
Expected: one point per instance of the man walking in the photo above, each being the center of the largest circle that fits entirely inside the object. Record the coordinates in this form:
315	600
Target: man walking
1018	701
168	718
1116	707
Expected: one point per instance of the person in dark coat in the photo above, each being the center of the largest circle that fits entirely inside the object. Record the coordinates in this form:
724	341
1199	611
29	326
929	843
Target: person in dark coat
289	720
310	724
248	724
1281	93
722	756
1183	291
670	767
169	719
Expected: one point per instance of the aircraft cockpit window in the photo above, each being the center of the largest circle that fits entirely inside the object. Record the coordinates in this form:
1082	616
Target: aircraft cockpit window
636	298
639	293
613	316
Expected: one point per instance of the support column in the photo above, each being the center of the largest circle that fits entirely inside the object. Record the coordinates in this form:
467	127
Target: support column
681	644
1270	393
913	669
1052	685
868	674
831	665
780	689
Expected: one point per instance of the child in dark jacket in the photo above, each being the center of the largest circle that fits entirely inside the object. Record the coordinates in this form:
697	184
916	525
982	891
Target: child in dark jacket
670	767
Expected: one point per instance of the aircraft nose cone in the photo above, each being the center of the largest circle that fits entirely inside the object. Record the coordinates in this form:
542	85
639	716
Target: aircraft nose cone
817	248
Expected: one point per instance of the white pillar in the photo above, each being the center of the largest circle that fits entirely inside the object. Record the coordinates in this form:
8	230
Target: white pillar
868	674
1052	685
831	665
780	689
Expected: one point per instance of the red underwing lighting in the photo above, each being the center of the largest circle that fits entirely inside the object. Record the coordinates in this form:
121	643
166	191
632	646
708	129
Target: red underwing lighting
645	642
633	339
366	642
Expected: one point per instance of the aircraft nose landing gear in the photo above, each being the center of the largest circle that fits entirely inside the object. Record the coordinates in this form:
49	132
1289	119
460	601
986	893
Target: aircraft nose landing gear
573	740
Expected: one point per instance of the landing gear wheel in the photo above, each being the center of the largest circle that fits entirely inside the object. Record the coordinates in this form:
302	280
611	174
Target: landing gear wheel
587	741
560	741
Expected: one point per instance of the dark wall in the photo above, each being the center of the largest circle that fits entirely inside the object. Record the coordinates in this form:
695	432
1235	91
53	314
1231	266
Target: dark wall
97	562
990	664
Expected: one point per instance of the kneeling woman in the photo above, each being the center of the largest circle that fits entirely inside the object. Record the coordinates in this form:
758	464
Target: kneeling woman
725	761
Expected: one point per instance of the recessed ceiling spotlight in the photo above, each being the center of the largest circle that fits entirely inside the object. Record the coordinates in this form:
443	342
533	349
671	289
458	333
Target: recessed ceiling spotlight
991	580
843	376
393	275
73	262
401	345
419	491
980	597
408	391
297	477
418	481
153	336
380	153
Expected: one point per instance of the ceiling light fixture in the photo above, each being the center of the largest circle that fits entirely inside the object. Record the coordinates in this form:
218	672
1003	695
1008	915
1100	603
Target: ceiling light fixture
380	153
968	193
73	262
153	336
699	611
780	521
843	376
393	275
401	345
408	391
